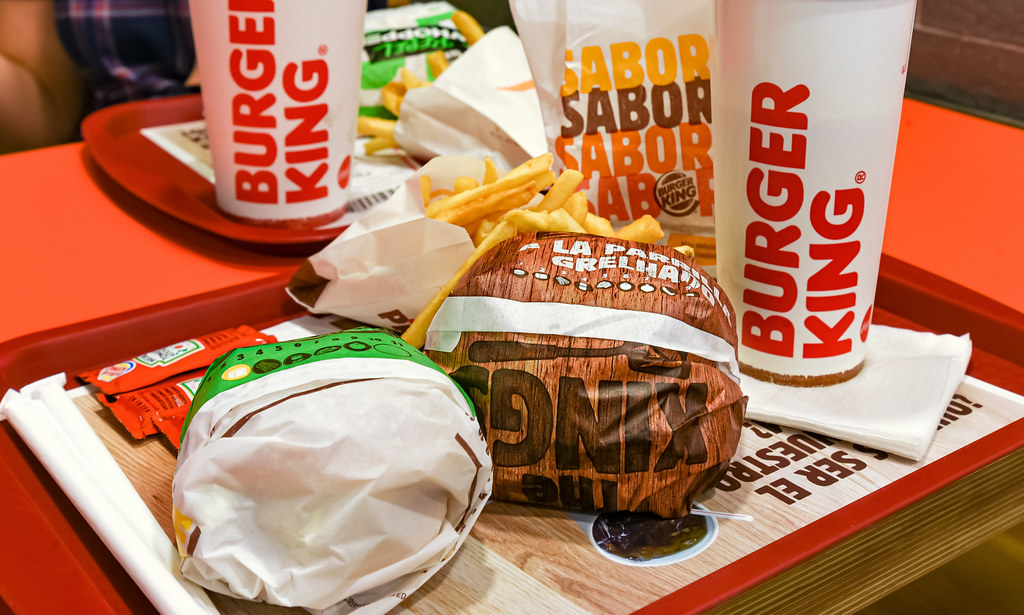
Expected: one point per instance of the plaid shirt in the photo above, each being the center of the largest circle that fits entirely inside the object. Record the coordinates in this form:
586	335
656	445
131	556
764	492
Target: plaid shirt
132	49
128	49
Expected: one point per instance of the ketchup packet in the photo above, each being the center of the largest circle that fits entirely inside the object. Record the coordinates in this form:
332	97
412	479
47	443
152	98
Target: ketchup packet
170	425
157	365
158	408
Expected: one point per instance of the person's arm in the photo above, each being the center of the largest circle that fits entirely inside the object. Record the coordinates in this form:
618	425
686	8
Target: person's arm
41	92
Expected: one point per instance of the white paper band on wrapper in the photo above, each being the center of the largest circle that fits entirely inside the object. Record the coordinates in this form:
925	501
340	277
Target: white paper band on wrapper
460	315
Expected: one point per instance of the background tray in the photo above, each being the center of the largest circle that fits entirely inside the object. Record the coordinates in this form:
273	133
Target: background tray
113	139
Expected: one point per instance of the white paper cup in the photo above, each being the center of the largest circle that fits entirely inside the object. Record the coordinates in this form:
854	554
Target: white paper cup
280	84
807	105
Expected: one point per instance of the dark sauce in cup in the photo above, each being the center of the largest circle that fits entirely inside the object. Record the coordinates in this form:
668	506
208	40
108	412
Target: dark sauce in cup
643	536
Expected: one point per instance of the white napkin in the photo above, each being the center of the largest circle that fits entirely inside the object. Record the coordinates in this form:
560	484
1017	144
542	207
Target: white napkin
894	404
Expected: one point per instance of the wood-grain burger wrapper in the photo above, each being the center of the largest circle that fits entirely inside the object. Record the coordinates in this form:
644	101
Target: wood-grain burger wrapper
604	371
336	473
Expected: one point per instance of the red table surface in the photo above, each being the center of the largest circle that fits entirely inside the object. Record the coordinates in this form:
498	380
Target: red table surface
957	201
76	247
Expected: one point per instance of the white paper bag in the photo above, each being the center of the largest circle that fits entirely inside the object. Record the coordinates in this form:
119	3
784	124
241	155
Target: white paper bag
384	268
625	91
483	104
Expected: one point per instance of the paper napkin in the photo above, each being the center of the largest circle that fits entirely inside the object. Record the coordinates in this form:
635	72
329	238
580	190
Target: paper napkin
894	404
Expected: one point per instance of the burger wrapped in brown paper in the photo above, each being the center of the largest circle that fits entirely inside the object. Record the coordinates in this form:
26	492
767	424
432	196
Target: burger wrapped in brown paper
604	371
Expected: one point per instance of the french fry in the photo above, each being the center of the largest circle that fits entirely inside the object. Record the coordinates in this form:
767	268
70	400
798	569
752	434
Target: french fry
561	221
561	190
411	81
685	250
545	180
484	229
437	202
465	183
468	26
472	228
525	173
527	220
490	171
416	334
531	221
496	202
596	225
375	126
577	207
645	229
437	62
536	164
377	144
391	96
425	189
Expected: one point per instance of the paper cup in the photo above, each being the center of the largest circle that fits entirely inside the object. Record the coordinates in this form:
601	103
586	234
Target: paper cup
807	105
280	84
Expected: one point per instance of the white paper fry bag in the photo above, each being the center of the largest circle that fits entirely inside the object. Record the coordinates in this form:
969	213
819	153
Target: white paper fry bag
383	269
625	92
483	104
335	473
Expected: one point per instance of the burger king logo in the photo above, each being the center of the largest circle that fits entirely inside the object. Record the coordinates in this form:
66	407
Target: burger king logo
676	193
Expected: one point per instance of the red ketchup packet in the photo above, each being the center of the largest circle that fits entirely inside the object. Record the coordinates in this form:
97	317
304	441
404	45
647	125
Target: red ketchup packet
158	408
157	365
171	425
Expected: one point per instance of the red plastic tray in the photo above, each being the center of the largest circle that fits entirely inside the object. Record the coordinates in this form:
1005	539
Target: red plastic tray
113	139
54	562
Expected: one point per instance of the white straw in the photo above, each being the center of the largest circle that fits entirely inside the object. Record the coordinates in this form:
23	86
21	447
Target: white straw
94	494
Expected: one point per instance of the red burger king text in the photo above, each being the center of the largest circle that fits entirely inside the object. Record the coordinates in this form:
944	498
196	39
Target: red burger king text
253	67
830	292
637	112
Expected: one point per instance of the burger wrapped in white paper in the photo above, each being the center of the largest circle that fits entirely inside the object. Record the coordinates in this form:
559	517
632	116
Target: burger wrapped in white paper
335	473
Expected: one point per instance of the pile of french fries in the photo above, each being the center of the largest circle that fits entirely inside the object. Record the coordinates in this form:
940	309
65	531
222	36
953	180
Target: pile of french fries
529	198
498	208
382	130
516	200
